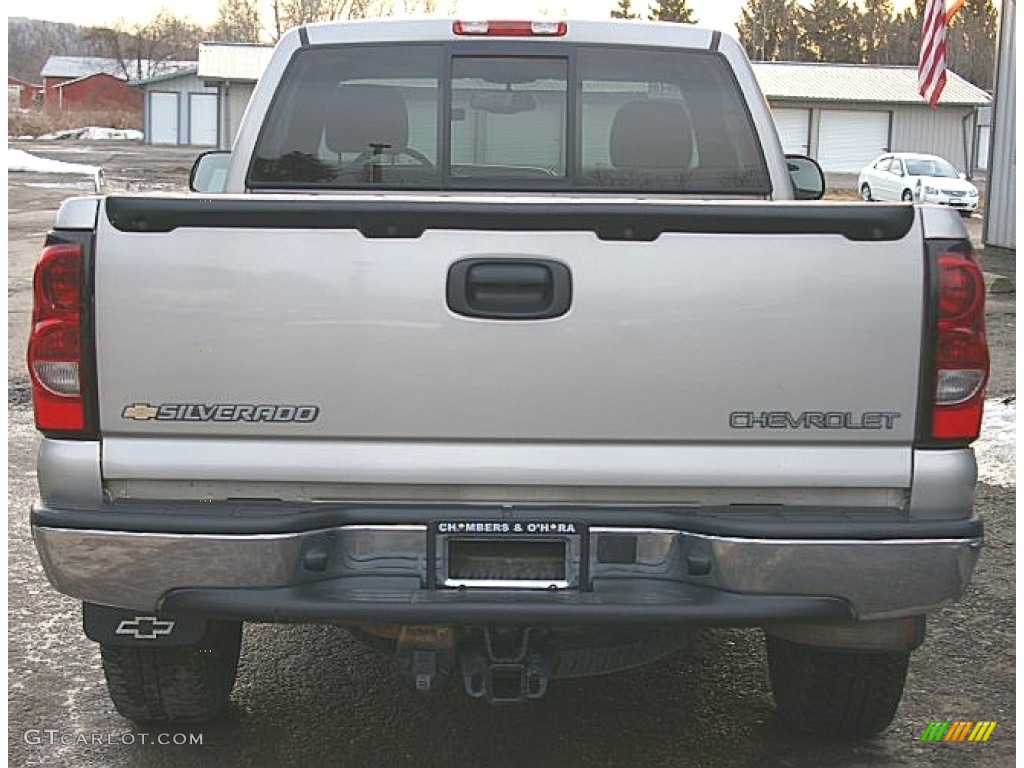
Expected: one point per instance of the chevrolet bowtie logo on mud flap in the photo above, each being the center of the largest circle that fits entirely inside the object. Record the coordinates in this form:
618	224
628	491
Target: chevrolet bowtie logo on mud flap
220	412
139	412
145	627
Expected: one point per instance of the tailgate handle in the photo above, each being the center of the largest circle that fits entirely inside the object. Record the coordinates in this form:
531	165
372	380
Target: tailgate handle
509	289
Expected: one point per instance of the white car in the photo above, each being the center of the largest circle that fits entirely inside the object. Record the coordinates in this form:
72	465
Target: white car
912	177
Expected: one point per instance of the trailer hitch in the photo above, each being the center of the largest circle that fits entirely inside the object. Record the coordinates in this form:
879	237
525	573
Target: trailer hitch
507	667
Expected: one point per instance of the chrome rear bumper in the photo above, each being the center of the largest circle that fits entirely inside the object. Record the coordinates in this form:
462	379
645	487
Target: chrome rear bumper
361	573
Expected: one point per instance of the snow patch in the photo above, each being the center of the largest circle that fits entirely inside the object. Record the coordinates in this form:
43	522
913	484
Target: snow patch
95	133
59	185
996	448
18	160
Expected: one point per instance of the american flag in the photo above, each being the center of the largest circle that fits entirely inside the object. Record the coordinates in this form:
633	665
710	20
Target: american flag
931	67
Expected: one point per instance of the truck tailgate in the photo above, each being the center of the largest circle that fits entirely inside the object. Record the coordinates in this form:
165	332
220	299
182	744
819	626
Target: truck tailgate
690	325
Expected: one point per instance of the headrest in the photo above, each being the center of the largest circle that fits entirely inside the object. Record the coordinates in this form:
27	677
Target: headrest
651	134
364	115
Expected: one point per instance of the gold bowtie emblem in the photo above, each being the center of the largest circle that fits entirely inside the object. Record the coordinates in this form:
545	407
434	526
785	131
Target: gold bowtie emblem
139	412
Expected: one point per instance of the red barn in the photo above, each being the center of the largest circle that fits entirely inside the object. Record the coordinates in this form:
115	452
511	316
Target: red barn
94	92
76	83
23	94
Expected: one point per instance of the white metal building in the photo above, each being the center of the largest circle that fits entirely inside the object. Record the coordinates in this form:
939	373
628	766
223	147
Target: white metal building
844	115
231	70
179	108
1001	190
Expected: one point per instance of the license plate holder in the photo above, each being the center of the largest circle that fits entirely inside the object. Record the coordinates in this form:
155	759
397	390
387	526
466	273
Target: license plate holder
507	555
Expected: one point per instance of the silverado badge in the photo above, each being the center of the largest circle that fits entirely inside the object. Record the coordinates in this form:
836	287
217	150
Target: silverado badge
220	412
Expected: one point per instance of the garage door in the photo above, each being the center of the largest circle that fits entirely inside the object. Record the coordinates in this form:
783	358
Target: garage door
163	118
793	126
202	119
847	141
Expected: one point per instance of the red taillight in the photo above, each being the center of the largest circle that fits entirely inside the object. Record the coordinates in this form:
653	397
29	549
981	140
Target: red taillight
510	28
55	344
961	351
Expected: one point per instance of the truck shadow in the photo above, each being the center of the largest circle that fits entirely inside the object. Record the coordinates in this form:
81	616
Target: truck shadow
311	696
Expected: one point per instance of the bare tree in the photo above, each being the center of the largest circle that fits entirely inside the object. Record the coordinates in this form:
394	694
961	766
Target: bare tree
414	7
147	49
238	21
294	13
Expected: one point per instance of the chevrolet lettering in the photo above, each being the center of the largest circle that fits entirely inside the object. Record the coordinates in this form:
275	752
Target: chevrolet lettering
813	420
433	353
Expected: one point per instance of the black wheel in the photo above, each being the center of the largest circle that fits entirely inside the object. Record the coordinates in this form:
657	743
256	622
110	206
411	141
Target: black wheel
835	692
865	193
174	684
907	196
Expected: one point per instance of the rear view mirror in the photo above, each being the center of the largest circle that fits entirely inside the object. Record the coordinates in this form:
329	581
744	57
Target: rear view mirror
210	172
503	102
806	176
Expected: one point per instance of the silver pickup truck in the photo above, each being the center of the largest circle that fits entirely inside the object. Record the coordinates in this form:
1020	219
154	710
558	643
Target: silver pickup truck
521	350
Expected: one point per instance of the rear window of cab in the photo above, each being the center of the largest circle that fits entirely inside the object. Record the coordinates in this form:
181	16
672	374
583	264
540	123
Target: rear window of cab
583	118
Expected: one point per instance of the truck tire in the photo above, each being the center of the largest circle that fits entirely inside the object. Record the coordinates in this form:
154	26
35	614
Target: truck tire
835	692
174	684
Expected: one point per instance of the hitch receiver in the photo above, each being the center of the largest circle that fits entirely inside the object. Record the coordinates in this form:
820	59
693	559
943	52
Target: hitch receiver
515	673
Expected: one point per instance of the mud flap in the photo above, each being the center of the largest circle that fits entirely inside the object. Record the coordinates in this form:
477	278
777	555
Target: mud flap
127	627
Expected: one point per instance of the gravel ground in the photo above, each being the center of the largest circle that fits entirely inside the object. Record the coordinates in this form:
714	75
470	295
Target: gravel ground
310	696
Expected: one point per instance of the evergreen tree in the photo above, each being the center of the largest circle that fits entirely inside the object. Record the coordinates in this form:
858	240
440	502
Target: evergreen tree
672	10
971	42
904	45
876	31
830	33
624	11
769	29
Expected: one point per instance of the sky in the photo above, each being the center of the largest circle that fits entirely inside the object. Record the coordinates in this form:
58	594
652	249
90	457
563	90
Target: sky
710	13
